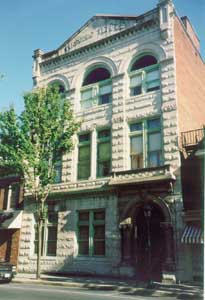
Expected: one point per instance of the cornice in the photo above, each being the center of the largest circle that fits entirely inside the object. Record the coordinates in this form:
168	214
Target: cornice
100	43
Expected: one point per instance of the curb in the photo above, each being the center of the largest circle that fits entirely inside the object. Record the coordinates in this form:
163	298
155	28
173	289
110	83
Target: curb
111	287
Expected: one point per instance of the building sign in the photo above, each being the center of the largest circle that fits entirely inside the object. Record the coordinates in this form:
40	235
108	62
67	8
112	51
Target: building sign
97	29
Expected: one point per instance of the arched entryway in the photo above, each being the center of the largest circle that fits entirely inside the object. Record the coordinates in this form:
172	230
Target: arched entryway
148	242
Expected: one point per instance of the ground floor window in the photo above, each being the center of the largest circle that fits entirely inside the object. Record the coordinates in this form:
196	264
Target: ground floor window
49	234
91	232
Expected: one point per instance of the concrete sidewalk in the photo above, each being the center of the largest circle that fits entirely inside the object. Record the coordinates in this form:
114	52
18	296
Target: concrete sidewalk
130	287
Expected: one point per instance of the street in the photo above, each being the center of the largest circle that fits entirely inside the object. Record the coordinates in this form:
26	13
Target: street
44	292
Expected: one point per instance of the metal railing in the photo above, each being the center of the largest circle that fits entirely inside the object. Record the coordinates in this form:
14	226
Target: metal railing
192	137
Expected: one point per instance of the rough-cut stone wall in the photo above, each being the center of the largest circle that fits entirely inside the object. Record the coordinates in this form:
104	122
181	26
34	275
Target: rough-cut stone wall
66	259
117	55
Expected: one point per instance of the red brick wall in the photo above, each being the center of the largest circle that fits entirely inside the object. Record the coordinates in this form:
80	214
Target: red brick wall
190	77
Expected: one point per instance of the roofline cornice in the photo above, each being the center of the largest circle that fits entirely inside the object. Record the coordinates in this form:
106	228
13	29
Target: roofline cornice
99	43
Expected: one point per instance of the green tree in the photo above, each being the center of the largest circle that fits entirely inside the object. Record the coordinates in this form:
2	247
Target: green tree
32	143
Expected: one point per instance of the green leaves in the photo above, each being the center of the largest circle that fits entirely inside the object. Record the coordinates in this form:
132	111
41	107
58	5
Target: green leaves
32	143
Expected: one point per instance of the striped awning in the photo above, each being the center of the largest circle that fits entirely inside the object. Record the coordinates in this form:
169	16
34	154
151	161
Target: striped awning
192	235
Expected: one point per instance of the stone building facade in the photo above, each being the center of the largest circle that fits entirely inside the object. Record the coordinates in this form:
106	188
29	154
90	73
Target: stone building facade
116	208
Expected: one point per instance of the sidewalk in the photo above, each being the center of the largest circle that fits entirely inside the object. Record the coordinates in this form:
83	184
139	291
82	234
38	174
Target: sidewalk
130	287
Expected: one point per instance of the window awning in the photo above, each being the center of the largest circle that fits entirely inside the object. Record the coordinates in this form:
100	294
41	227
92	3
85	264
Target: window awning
11	220
192	235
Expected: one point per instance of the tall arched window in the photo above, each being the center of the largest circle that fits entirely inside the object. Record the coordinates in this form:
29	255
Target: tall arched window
144	75
96	88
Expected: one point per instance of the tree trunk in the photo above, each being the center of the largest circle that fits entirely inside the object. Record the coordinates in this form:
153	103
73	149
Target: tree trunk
38	273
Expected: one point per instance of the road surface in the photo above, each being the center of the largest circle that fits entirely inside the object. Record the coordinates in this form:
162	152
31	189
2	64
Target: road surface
15	291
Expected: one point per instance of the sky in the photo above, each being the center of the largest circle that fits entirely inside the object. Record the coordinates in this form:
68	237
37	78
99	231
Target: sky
26	25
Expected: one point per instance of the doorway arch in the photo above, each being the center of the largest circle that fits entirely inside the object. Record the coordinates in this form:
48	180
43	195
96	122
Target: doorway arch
148	242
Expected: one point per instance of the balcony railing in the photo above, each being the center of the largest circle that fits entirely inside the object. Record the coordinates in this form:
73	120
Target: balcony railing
192	138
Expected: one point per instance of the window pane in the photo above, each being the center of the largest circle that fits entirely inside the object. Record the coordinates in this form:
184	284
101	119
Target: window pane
103	169
84	153
106	98
51	248
52	233
104	151
153	86
83	171
104	133
84	137
83	248
152	124
53	217
58	172
99	232
137	90
137	161
154	141
14	195
136	80
87	94
99	247
155	158
83	233
136	145
83	216
105	89
99	215
136	127
152	75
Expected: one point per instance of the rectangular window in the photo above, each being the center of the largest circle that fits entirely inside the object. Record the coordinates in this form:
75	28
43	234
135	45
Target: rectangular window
49	233
145	144
152	80
144	80
58	171
96	94
86	98
91	233
84	156
136	84
105	93
103	153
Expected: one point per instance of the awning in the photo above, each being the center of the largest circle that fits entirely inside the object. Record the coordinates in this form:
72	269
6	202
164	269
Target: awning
192	235
11	220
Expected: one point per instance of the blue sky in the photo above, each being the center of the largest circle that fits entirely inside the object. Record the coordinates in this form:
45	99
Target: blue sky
26	25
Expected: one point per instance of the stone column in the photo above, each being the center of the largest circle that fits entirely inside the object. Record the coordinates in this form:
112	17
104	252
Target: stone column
93	153
126	243
9	197
169	263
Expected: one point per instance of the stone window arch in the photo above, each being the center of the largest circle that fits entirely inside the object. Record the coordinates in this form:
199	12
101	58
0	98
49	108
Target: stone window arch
96	87
144	74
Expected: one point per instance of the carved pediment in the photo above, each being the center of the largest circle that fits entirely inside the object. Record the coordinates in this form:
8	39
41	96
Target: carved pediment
97	28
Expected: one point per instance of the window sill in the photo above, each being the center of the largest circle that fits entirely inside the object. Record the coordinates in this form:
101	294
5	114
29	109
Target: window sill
34	257
94	108
144	94
91	258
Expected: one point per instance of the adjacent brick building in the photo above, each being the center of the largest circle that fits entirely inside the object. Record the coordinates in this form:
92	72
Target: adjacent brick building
116	208
11	206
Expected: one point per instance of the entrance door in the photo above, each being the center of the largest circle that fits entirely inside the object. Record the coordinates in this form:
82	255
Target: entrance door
149	244
5	244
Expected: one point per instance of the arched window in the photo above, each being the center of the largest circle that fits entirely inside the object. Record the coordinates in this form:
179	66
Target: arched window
96	88
144	75
57	84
